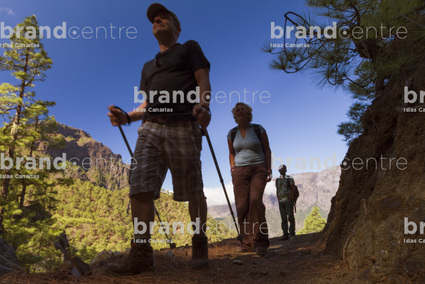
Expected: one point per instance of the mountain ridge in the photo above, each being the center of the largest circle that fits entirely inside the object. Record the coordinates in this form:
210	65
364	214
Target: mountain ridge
96	162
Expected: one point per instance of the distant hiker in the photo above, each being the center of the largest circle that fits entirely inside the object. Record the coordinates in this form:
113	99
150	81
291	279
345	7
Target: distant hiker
169	137
250	163
285	189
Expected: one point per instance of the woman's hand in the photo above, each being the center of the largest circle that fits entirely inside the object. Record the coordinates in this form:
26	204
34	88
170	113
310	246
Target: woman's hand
269	175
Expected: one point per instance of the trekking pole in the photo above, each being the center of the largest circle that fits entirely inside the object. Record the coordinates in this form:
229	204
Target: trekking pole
125	140
222	184
170	241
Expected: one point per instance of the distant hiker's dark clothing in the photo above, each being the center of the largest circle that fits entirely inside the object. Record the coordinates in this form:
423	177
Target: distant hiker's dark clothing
170	72
170	137
286	207
249	182
282	187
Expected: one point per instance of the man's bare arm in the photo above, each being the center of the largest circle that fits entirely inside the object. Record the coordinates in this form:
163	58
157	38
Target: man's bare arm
137	114
203	80
117	117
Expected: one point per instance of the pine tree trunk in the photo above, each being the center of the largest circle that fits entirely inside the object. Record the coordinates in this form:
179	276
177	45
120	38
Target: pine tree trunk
24	185
14	134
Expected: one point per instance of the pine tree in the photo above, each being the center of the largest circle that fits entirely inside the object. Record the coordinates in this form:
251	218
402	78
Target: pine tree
26	132
366	51
313	223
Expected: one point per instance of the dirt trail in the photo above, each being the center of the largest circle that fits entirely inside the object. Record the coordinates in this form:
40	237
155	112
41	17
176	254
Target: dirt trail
298	260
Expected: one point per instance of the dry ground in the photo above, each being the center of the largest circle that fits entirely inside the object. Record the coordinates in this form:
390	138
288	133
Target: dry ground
296	261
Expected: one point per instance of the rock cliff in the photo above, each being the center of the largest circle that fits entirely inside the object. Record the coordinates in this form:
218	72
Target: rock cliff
98	163
382	184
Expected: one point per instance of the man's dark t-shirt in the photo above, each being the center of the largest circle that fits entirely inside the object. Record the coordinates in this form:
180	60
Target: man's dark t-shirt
172	71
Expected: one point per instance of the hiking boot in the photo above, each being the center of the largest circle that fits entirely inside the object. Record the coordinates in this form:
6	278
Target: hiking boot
261	250
199	252
284	237
139	260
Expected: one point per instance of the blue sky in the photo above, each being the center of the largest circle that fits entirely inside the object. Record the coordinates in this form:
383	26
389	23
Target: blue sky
89	74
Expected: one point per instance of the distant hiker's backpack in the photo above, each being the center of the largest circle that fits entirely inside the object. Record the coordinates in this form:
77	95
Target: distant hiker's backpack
296	194
256	130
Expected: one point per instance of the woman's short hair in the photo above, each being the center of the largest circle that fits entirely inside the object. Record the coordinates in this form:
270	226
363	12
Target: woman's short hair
246	107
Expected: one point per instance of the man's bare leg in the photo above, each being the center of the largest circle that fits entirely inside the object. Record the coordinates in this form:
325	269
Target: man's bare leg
142	207
198	208
141	255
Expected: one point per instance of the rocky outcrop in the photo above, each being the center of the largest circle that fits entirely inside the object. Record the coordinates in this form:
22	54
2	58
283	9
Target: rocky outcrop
97	162
80	146
374	223
8	260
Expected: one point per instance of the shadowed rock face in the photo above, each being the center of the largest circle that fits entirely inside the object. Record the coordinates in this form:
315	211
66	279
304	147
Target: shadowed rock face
366	225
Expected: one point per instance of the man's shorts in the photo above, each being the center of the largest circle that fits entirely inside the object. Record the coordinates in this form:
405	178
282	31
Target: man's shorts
176	146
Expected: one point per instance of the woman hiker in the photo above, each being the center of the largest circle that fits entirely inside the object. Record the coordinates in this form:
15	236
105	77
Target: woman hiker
250	163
